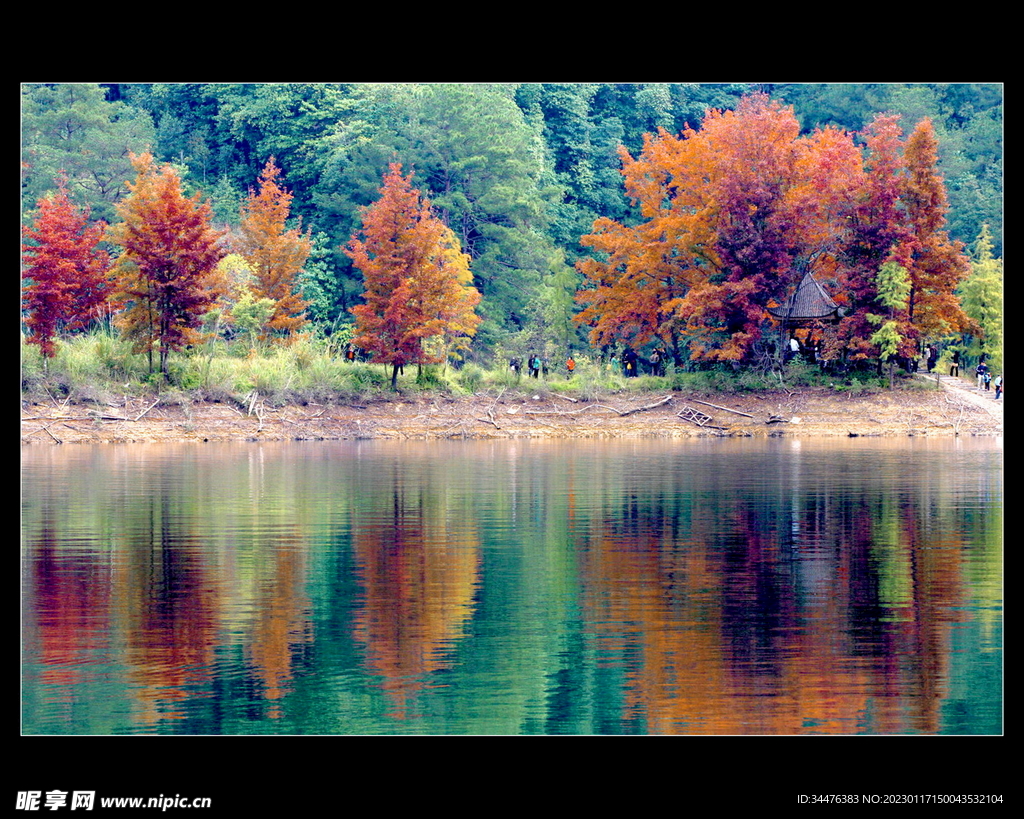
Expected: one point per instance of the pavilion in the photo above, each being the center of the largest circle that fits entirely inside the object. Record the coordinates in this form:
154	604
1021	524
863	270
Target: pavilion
808	304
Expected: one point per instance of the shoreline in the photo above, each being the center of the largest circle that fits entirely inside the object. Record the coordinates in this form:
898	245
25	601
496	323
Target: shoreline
937	412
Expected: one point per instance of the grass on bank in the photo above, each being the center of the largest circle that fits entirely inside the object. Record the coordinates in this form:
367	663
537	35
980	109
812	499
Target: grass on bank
100	368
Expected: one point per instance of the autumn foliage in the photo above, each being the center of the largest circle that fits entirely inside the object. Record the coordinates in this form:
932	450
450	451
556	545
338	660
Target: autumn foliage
167	271
275	252
65	271
418	299
732	215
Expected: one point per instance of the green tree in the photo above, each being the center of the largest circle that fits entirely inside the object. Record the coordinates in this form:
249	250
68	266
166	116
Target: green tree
478	160
323	286
893	287
70	129
981	295
252	316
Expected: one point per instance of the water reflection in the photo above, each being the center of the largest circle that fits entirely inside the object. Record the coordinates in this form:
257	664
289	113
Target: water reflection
417	553
713	587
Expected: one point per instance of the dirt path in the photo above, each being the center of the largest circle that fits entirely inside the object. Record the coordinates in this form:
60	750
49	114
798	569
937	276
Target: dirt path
969	391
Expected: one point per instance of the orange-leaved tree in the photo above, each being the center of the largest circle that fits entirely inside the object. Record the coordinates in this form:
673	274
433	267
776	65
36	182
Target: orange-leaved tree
640	274
167	271
65	273
936	264
732	215
275	252
418	296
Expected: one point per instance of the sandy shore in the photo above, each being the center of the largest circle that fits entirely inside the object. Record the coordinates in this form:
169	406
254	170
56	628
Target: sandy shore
952	409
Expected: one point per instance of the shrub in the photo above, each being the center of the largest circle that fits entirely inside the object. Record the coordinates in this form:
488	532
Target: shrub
470	377
366	377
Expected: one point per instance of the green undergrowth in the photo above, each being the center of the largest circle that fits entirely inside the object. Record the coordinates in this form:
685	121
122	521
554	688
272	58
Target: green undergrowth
99	367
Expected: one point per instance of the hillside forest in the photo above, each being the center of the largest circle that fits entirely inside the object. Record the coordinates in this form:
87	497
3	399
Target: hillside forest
466	223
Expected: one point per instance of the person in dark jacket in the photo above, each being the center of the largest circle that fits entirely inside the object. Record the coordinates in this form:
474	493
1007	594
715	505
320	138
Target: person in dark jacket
629	361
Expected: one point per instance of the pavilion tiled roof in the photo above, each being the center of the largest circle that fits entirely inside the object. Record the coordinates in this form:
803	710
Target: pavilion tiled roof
809	301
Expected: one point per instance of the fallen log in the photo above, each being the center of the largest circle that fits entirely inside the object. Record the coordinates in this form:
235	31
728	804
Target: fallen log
571	412
619	412
656	404
726	409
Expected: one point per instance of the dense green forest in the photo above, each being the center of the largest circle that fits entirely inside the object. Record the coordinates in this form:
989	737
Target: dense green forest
519	173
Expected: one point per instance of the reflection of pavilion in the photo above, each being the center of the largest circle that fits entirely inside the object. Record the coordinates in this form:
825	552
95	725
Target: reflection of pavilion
807	305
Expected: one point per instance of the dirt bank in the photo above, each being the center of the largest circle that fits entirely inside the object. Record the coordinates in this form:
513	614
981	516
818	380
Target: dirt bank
951	410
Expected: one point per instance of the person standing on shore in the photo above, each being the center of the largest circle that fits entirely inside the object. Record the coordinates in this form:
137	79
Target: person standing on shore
999	385
629	360
980	371
954	368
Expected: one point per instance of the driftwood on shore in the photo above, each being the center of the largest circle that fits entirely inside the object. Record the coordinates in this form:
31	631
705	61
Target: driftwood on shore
489	420
726	409
621	413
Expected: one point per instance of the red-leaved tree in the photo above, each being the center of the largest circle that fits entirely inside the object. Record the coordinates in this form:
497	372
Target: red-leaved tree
418	299
66	273
167	273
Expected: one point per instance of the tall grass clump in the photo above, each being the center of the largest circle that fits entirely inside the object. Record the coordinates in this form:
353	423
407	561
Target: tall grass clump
471	378
270	375
85	367
32	366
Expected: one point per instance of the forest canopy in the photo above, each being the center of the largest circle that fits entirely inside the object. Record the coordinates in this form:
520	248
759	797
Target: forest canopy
718	196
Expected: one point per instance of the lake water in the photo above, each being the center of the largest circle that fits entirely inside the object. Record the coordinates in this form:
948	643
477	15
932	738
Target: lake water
704	586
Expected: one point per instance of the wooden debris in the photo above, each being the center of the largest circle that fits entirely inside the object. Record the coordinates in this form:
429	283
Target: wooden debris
699	418
45	429
489	420
147	409
621	413
726	409
656	404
